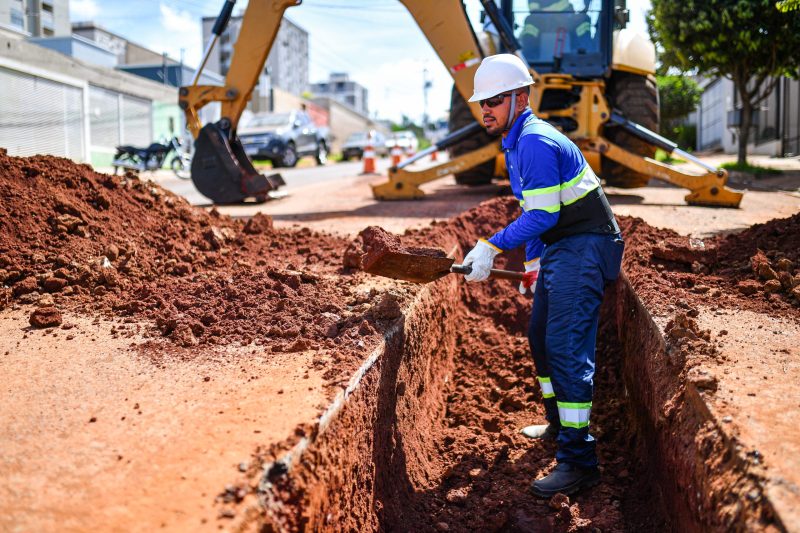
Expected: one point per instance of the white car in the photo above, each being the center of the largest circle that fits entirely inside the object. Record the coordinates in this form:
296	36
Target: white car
355	144
405	139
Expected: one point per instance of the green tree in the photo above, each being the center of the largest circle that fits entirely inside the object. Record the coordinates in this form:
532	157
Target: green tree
751	42
679	96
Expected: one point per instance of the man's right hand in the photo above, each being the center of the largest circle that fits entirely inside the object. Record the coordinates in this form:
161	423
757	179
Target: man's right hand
481	259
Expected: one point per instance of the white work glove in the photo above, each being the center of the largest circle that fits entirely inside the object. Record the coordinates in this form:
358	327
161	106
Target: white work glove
481	259
531	276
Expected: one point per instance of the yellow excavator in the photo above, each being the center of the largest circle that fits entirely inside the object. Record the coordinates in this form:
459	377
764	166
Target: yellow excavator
575	78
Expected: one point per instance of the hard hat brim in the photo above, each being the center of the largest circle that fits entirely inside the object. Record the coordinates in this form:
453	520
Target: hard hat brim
488	94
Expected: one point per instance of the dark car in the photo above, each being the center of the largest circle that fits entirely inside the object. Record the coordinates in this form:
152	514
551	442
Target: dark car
283	138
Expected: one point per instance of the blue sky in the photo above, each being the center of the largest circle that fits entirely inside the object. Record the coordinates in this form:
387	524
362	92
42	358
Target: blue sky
375	41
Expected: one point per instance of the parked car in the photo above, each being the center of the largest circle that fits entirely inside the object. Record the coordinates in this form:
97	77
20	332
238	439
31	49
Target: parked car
405	139
356	142
283	138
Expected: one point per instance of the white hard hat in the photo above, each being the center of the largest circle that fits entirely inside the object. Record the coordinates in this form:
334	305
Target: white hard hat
498	74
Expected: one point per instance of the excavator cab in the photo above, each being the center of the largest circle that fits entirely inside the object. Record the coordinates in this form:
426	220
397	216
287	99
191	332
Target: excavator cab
563	36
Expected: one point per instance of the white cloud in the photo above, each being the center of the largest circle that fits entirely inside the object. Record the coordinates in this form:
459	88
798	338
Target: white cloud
179	30
395	88
82	10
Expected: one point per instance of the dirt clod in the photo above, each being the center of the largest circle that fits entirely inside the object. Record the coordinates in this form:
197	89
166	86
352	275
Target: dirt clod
45	317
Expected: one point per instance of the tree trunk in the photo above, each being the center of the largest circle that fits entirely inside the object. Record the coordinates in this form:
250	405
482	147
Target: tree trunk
744	125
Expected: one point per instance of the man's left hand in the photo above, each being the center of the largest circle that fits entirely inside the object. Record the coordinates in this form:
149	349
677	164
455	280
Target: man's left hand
530	277
481	259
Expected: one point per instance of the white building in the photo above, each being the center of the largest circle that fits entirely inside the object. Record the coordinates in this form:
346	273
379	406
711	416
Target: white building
38	18
286	67
342	89
776	121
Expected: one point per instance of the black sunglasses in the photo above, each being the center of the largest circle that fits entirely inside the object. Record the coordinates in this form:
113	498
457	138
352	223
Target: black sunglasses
494	101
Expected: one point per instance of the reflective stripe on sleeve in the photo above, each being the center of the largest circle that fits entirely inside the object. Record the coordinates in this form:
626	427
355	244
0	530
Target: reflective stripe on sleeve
579	186
583	28
546	199
550	199
547	387
574	415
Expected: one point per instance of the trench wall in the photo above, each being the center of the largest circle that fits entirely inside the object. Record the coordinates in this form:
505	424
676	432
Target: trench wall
698	469
333	483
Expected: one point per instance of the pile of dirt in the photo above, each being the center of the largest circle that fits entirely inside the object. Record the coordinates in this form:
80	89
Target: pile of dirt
755	270
75	240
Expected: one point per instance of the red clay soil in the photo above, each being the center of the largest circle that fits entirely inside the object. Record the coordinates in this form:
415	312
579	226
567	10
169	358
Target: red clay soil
72	238
755	270
373	243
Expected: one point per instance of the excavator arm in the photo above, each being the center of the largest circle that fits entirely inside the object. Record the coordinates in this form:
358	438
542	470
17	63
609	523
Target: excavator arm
220	168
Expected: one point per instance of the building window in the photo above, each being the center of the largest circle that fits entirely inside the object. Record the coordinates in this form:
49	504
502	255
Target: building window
17	18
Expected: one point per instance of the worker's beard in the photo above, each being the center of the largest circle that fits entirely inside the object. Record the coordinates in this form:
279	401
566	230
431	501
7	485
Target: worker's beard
493	127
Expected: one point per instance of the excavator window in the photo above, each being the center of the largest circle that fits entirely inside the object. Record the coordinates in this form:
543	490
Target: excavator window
568	36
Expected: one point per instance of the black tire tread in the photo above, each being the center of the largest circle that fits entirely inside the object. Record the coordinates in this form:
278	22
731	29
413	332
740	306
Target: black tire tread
636	97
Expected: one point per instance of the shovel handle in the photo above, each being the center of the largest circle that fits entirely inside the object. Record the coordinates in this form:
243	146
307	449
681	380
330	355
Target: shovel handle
493	273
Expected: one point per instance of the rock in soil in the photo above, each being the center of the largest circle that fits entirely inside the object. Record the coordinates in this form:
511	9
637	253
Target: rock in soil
45	317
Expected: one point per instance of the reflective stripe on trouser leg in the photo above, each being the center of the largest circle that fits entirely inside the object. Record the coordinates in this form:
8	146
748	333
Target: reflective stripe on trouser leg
536	334
547	389
573	283
574	415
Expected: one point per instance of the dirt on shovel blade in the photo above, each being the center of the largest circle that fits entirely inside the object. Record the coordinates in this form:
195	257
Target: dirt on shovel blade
379	252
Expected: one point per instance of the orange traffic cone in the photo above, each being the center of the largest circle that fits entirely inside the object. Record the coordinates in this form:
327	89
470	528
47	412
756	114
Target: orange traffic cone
410	152
397	154
434	156
369	156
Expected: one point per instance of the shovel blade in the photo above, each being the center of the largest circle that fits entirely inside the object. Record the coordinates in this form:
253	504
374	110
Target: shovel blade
410	266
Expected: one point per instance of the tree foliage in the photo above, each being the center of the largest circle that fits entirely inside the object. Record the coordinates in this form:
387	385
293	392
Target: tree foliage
678	96
751	42
788	5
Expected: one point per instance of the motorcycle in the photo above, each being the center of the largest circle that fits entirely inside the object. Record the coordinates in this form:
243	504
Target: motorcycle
153	157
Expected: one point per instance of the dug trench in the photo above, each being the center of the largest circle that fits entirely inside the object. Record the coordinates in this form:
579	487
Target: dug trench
425	386
429	439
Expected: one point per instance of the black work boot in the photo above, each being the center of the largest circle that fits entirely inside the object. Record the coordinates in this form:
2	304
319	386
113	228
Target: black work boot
543	431
566	479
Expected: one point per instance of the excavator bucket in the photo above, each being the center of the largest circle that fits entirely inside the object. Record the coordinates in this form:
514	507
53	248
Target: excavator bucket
222	171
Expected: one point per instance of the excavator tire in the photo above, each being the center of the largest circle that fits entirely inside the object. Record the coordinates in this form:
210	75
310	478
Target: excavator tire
460	116
636	97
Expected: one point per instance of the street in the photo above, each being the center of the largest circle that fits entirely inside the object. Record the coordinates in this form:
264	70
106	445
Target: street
299	178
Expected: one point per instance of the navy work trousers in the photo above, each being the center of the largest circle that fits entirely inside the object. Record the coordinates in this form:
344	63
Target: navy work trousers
563	331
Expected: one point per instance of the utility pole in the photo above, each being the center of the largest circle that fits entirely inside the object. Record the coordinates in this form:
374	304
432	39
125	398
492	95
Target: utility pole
426	86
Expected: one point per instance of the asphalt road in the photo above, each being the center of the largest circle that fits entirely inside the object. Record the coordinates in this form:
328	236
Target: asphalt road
303	176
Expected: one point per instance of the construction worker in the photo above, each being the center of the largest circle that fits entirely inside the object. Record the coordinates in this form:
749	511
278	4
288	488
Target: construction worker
553	28
573	249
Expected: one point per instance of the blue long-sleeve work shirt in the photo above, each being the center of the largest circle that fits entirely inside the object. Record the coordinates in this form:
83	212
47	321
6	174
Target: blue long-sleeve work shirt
541	161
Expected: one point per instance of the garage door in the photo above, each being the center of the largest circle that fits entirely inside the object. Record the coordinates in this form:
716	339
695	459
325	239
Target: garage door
40	116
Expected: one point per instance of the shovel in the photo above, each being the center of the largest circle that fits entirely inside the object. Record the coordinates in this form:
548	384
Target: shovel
424	268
